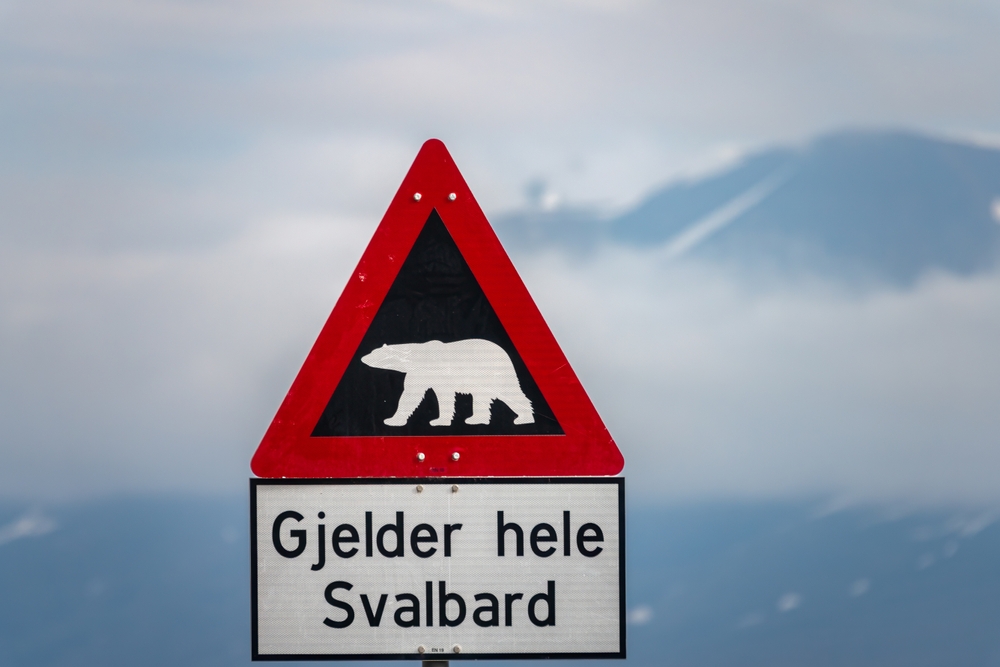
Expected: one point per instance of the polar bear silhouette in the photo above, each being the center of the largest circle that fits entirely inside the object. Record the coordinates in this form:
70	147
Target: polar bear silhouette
472	366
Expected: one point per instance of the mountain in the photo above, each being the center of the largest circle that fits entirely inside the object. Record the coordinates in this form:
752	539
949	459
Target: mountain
886	205
165	581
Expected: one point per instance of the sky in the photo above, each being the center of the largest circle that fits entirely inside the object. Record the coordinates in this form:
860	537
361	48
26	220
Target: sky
185	187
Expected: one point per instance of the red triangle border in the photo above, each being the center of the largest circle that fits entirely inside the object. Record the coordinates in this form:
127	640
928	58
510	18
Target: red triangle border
288	450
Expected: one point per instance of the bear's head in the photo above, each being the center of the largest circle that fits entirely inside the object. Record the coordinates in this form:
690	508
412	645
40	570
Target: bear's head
389	357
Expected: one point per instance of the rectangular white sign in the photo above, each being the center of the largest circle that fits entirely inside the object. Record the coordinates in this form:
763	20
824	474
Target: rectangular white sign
439	569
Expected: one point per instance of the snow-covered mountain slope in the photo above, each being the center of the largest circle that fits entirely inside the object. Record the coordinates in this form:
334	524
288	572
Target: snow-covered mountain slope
886	205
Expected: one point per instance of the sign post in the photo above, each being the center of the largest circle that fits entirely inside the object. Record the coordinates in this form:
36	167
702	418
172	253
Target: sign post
436	484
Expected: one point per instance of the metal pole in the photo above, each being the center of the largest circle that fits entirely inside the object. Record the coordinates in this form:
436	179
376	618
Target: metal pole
435	663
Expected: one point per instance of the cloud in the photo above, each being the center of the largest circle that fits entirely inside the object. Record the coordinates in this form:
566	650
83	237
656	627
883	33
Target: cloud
717	384
750	620
33	524
640	615
158	370
788	602
605	100
859	588
201	201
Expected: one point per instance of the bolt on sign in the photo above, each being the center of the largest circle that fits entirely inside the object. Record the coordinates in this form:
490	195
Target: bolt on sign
437	483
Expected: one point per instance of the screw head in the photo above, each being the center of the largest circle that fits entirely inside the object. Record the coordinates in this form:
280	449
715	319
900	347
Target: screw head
421	649
420	456
456	648
420	488
452	197
454	488
455	456
416	196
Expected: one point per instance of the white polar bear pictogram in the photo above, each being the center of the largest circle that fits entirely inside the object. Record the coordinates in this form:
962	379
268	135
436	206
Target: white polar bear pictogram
472	366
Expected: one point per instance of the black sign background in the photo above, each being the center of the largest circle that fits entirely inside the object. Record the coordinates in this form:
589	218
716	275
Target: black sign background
434	297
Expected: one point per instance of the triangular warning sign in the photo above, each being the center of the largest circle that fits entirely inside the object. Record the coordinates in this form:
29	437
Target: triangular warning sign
435	297
435	360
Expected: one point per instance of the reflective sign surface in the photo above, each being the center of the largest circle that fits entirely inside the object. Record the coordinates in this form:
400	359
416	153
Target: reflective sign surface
445	569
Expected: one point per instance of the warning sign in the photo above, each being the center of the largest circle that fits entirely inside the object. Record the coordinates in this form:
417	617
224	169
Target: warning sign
435	360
